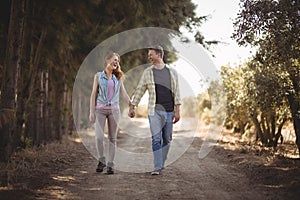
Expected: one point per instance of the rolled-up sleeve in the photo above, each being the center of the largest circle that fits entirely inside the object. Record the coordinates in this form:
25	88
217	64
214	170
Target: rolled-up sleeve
175	87
140	90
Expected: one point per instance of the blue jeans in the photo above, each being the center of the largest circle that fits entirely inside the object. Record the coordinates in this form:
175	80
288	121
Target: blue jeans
161	127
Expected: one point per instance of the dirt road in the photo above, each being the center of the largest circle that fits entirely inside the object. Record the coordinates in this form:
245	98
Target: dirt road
222	174
187	178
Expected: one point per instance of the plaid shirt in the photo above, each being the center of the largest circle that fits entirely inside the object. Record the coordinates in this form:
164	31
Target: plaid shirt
147	82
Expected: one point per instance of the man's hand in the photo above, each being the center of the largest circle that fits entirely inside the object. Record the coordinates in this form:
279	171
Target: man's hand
176	116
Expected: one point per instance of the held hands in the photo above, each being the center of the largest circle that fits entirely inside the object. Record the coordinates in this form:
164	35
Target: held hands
131	112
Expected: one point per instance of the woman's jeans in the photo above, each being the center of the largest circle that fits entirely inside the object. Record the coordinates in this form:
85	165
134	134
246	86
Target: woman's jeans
113	117
161	127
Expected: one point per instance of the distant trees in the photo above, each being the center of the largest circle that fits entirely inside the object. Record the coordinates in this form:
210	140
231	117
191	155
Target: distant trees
43	44
10	78
252	101
271	81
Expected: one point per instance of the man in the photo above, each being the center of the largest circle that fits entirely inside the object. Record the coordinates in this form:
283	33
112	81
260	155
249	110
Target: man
161	82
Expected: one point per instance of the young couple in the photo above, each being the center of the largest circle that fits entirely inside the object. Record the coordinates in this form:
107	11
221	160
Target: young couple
161	82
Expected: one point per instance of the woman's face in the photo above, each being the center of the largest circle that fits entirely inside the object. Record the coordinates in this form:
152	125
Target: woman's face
113	62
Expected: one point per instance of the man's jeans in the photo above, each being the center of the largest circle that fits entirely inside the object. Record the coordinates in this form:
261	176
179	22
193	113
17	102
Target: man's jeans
161	127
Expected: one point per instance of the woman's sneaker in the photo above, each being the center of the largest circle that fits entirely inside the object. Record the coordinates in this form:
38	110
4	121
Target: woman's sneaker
100	167
110	169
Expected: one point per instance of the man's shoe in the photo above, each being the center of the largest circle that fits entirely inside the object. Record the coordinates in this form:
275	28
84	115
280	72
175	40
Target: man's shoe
110	170
156	172
100	167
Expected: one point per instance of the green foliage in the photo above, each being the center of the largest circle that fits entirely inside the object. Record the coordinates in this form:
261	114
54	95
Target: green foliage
211	104
251	99
190	107
273	27
237	102
26	142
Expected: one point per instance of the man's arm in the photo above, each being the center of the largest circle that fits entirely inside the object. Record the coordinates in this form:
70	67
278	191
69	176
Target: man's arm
138	94
177	98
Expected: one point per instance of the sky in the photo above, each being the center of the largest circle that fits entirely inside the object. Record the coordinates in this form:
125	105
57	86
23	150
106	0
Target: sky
220	27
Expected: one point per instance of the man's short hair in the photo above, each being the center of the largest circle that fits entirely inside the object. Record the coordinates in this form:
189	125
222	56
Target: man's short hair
158	49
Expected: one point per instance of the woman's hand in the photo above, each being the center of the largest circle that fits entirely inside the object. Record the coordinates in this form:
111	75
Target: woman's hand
131	112
92	117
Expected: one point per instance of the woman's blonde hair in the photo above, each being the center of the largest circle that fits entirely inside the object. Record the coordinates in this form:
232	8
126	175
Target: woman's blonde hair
118	71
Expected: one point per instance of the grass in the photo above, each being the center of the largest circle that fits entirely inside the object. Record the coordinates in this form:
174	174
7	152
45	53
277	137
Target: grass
35	162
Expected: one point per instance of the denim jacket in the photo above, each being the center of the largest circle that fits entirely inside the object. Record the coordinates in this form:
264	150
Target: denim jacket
103	89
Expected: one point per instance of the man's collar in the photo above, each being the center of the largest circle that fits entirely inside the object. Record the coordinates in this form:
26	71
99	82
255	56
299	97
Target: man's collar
165	65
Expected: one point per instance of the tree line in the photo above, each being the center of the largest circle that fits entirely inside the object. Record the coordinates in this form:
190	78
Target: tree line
265	91
43	44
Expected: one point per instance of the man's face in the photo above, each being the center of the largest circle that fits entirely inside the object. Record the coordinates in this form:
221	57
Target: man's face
152	56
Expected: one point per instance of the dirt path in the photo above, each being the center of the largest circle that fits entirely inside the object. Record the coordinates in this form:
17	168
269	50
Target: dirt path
223	174
187	178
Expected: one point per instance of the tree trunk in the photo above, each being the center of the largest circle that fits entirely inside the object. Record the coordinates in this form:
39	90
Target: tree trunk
68	117
46	109
295	110
294	103
297	131
32	105
10	78
77	110
40	111
57	110
30	132
22	92
278	134
259	130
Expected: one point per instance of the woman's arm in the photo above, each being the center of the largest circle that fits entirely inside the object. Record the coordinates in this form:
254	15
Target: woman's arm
124	94
126	98
93	99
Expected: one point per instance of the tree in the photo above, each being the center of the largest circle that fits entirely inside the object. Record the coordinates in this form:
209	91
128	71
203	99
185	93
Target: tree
237	102
46	43
9	85
251	100
274	27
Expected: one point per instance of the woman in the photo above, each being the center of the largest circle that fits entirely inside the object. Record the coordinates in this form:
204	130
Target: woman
104	105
